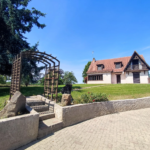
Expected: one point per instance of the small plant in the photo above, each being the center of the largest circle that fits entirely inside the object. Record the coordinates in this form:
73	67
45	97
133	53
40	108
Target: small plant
90	98
59	96
5	103
3	117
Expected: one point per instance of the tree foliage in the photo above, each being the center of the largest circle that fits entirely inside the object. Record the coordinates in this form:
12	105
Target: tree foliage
41	81
84	74
60	79
85	79
69	78
2	79
31	78
26	80
15	21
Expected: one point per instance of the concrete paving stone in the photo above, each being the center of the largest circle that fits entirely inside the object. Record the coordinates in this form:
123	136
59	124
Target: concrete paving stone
121	131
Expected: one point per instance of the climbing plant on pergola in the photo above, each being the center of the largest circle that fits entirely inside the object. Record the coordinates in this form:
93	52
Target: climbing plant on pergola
51	71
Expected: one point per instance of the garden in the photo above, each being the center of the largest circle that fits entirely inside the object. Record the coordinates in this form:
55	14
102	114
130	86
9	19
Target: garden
94	92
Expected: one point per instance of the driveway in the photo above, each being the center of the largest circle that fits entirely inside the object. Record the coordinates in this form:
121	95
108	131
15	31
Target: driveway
121	131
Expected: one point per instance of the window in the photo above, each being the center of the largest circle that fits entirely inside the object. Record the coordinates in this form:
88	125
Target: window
95	77
118	65
100	67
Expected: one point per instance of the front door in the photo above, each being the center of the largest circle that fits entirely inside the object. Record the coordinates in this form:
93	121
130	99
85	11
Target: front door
118	79
136	77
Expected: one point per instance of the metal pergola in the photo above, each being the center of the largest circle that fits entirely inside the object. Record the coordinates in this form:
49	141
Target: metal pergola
51	71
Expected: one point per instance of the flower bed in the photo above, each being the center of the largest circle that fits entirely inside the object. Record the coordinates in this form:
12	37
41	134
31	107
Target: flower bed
90	98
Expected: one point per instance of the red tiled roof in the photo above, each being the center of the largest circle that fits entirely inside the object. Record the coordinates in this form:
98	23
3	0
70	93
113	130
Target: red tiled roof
109	65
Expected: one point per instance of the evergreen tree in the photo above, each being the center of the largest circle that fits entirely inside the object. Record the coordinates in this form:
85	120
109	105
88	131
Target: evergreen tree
84	74
15	21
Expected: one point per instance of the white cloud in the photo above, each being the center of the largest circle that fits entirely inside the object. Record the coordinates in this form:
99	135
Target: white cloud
145	48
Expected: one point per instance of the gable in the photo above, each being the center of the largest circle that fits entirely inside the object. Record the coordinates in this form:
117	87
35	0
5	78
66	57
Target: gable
136	63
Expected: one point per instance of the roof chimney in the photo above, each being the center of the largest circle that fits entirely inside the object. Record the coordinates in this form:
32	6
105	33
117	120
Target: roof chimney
94	60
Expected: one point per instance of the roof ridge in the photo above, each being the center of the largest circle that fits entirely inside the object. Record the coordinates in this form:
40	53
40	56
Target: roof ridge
117	58
114	58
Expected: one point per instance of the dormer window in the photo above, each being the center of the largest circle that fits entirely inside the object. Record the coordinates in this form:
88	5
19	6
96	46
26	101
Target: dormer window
100	67
118	65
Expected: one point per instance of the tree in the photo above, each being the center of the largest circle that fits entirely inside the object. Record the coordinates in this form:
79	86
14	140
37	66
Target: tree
85	80
61	75
26	80
41	81
31	78
60	80
2	79
15	21
84	74
69	78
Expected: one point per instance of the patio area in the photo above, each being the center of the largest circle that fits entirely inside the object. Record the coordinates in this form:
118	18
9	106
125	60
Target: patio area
121	131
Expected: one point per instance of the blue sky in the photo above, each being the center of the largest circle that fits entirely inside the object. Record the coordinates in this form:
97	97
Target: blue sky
75	28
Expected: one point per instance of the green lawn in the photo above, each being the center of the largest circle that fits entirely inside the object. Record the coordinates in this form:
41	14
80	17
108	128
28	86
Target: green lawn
30	91
118	91
114	91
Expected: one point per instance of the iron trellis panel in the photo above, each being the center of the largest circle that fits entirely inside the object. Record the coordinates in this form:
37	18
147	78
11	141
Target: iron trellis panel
16	73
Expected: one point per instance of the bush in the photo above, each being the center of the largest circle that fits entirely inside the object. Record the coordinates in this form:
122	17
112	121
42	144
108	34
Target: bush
90	98
59	96
85	80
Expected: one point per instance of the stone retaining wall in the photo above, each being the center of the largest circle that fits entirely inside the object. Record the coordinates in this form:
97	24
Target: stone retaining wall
77	113
18	131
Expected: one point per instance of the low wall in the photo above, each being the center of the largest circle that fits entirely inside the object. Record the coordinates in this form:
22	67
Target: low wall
18	131
77	113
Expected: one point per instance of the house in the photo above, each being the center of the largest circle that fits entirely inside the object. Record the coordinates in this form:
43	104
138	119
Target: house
132	69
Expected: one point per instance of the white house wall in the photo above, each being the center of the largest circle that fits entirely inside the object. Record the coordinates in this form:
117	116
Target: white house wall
106	79
144	77
126	78
114	78
129	77
123	78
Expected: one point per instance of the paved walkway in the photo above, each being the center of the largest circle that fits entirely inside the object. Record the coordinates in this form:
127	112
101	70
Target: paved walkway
121	131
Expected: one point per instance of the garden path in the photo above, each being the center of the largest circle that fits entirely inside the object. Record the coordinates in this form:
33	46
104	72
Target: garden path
87	87
121	131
